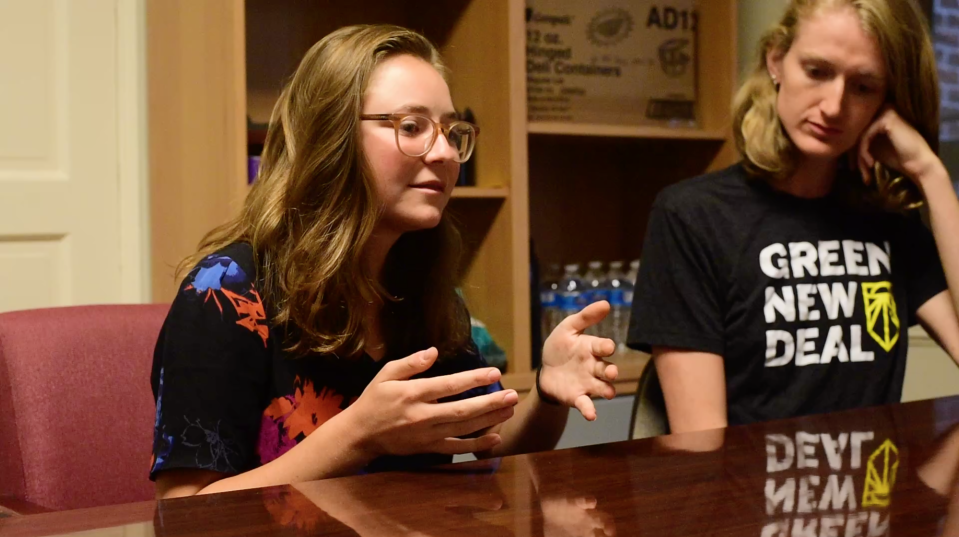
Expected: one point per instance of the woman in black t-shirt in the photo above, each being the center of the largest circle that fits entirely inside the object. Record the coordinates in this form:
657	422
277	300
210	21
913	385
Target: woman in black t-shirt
319	332
786	284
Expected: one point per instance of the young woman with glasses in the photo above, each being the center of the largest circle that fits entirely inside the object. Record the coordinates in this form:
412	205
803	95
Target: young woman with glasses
319	333
786	284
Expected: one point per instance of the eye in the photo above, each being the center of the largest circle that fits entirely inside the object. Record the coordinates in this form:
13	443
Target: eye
817	73
867	86
414	126
409	127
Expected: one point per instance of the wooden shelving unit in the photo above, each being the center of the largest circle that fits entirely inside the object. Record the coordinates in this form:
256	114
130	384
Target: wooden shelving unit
580	192
623	131
472	192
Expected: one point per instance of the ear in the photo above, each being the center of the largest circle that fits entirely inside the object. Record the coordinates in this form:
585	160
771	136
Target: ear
774	63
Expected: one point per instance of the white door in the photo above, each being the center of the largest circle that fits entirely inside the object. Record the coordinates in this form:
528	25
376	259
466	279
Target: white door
71	179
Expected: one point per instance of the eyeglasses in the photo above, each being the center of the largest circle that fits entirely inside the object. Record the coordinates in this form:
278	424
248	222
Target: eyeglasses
416	134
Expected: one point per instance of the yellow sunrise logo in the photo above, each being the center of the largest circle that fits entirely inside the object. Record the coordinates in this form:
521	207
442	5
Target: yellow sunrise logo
881	475
882	321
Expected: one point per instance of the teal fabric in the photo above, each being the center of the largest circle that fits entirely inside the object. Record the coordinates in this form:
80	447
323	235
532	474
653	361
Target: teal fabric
493	353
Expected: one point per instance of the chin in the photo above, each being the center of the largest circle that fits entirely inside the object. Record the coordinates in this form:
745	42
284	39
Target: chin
419	221
814	148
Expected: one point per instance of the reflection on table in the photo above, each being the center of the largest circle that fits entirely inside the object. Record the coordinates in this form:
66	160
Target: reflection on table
874	472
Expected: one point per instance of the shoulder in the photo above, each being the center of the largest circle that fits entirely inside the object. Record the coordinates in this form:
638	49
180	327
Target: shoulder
231	268
713	190
708	203
222	291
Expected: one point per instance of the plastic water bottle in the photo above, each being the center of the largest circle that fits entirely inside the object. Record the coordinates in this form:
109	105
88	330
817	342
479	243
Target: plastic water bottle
598	289
619	302
633	271
550	299
572	291
628	286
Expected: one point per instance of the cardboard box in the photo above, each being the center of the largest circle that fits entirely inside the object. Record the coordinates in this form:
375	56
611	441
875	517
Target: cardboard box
612	61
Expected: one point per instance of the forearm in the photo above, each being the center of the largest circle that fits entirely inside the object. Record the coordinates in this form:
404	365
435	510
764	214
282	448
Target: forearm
941	471
337	499
332	450
943	205
694	389
535	426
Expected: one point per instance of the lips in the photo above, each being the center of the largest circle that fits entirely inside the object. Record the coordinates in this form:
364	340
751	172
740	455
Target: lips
432	186
823	130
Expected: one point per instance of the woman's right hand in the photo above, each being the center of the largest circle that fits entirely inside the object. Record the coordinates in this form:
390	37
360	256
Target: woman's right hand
400	416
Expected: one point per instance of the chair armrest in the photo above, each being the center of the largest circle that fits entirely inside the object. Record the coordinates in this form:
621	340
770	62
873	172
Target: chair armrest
11	506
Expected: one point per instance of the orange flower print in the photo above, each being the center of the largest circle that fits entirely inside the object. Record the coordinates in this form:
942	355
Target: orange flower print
212	276
306	410
252	315
279	408
311	409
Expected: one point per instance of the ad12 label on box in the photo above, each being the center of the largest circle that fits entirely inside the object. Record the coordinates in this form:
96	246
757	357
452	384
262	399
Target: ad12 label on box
612	62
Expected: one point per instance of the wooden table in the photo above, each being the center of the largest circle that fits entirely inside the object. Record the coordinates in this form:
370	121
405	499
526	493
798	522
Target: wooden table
874	472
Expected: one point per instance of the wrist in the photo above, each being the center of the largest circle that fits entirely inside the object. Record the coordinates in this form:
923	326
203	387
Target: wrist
539	391
356	437
932	174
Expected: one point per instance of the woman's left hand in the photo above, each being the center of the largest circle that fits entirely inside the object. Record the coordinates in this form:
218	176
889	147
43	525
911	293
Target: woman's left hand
893	142
574	369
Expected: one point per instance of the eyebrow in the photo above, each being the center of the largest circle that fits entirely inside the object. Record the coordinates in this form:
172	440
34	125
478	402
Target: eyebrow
420	109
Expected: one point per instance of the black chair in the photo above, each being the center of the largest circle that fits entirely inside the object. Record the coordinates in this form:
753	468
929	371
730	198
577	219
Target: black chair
649	409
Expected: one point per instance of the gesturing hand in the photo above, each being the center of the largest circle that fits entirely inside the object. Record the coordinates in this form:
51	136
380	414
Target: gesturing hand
573	367
399	416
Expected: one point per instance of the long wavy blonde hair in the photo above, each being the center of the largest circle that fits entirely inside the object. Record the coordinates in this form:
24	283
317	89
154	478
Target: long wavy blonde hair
313	208
900	28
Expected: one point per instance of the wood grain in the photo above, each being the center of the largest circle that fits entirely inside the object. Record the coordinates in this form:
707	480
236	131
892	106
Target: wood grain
197	128
741	481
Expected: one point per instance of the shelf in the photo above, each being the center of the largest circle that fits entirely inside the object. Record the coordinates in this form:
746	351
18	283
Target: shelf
473	192
623	131
256	136
630	363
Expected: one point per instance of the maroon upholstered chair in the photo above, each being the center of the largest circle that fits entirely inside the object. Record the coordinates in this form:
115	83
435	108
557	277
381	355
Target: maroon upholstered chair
76	410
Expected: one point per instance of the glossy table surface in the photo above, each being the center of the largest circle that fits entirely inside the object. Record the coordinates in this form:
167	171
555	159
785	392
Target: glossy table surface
881	471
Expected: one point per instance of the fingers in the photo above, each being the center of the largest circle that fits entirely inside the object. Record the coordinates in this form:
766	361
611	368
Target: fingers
585	406
467	427
405	368
866	160
602	389
602	347
435	388
605	371
588	316
457	411
606	522
458	446
863	168
585	502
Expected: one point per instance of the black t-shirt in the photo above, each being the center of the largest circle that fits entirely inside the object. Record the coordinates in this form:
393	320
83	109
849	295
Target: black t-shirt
230	399
807	300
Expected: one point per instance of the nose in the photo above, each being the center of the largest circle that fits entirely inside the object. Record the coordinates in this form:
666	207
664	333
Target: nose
441	150
832	101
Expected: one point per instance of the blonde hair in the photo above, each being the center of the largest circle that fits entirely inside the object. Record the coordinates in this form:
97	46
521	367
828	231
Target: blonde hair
313	208
912	89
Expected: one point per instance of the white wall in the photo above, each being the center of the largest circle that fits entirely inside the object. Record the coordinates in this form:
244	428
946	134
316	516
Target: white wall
755	17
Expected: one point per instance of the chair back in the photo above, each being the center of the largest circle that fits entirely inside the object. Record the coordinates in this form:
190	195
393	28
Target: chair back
76	408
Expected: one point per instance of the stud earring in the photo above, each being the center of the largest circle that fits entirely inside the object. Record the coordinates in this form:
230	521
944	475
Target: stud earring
775	82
